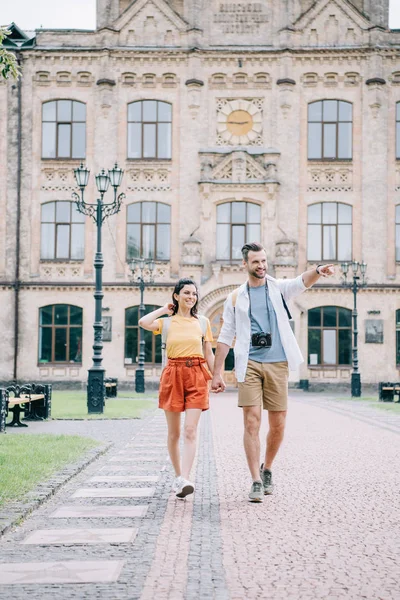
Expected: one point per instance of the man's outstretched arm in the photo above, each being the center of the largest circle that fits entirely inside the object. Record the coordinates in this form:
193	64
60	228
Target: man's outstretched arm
310	277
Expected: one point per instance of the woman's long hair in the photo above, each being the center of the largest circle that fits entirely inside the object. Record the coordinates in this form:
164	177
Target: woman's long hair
181	284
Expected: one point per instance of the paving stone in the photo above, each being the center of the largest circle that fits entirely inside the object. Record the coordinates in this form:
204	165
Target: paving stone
114	493
66	512
81	536
138	459
124	478
61	572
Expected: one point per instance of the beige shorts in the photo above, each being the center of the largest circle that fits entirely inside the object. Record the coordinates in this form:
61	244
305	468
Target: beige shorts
266	385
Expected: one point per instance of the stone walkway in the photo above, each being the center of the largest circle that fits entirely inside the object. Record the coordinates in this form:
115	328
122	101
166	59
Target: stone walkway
115	531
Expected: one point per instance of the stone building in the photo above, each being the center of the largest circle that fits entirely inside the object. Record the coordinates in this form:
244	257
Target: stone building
233	121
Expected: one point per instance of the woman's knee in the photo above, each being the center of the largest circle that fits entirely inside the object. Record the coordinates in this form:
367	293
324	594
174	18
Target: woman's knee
190	433
173	436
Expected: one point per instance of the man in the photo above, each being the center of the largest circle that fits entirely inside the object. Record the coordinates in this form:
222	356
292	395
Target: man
265	349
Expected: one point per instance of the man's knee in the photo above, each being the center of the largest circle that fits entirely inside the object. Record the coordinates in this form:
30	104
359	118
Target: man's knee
277	422
252	422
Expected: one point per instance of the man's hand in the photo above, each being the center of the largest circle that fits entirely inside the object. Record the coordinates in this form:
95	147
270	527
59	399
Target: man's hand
217	384
326	270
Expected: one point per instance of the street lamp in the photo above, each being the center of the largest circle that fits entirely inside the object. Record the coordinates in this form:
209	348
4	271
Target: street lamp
99	211
141	265
357	283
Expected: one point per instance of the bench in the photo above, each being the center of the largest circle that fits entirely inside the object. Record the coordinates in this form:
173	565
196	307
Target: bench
32	399
388	390
111	387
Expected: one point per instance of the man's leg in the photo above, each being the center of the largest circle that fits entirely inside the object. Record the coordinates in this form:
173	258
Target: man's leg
251	439
277	420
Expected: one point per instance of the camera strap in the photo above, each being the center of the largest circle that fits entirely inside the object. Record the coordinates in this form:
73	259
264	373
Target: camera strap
266	300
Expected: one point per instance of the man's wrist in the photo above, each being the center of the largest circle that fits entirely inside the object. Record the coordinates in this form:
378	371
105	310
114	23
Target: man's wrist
317	269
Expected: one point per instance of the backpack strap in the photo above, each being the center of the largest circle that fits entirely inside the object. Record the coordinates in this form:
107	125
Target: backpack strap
203	324
164	334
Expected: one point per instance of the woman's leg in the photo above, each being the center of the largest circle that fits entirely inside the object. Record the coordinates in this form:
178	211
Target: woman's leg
174	432
190	433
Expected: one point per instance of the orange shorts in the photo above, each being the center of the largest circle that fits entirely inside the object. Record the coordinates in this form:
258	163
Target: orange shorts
184	384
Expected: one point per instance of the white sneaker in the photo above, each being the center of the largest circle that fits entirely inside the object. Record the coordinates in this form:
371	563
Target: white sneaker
177	483
184	488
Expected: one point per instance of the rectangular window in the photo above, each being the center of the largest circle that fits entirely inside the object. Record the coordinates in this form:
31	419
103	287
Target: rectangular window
164	143
163	242
148	241
314	140
149	140
133	232
77	241
344	243
49	140
134	140
314	242
329	247
329	140
345	150
78	140
45	344
223	241
47	241
62	241
60	348
64	140
329	346
238	240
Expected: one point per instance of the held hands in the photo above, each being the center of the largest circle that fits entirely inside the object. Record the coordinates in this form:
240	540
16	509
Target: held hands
217	384
326	270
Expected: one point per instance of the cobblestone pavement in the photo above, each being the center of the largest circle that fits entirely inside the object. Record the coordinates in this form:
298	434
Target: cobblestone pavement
115	531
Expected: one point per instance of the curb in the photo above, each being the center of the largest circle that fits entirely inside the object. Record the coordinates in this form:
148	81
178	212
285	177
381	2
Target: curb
14	512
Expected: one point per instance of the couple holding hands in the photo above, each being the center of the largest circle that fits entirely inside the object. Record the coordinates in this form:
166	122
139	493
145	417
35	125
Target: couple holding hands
256	314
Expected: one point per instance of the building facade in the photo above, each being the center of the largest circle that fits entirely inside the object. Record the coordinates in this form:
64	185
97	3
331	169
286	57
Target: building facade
233	121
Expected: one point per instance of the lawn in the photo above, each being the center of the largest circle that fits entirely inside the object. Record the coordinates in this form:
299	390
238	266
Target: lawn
373	401
26	460
72	405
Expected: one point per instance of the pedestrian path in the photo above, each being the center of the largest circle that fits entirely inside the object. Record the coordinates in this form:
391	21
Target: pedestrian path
116	531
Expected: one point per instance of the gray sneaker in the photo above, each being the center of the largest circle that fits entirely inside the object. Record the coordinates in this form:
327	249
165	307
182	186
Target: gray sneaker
266	478
256	493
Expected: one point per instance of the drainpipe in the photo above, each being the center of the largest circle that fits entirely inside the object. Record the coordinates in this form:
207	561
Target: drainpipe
18	232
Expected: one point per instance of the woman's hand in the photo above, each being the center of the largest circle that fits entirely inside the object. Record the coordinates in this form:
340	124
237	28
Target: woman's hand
168	309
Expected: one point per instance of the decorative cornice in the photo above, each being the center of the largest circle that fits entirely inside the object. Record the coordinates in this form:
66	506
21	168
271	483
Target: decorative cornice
195	82
109	82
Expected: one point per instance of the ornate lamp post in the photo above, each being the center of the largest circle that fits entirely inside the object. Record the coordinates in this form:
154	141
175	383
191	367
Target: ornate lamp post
357	283
138	267
99	211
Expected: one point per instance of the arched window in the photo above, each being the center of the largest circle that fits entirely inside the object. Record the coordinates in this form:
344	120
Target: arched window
329	336
237	224
149	230
62	232
398	337
329	233
330	130
149	129
60	334
398	130
63	129
152	342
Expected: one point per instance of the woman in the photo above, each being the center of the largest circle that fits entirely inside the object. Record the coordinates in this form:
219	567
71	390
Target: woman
184	380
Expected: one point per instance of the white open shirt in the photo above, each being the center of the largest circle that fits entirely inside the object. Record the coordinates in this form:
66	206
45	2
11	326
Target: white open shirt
236	322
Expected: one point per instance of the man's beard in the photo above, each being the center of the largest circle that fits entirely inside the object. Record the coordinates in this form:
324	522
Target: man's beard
258	275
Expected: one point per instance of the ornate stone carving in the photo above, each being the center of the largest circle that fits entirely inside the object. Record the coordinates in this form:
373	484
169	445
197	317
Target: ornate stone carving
192	252
149	179
329	178
286	252
55	270
238	167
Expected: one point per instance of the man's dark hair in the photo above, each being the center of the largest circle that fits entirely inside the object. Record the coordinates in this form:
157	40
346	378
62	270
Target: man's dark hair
181	284
253	247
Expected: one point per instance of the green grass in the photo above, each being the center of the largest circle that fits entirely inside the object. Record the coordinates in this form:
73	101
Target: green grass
372	401
26	460
72	405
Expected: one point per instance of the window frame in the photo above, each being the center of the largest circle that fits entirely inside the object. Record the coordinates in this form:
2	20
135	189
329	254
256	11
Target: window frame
156	339
56	223
397	316
397	233
56	157
322	328
397	132
142	123
141	223
233	224
336	225
53	328
322	122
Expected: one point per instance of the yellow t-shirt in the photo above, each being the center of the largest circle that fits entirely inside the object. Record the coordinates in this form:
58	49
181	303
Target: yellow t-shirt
185	336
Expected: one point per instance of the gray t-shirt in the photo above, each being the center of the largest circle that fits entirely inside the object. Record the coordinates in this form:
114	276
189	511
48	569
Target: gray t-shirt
261	323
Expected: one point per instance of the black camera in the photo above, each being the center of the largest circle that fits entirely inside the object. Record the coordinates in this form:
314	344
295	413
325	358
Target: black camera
262	340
